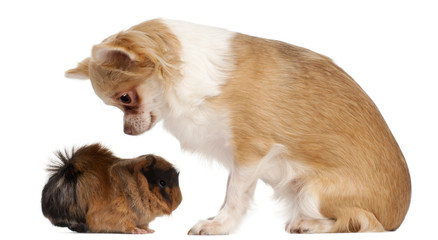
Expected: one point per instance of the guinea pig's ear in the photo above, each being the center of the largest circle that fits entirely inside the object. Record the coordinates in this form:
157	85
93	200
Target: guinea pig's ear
148	167
141	164
150	161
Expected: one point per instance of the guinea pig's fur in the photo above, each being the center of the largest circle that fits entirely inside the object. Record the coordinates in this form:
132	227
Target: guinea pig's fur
93	191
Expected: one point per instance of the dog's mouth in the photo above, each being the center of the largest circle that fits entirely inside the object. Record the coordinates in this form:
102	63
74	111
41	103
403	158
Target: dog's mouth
152	122
138	124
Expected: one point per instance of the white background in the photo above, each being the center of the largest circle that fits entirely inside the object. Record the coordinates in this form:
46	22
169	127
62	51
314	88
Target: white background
388	47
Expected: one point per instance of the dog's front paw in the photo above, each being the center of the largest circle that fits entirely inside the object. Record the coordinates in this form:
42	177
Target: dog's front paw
209	227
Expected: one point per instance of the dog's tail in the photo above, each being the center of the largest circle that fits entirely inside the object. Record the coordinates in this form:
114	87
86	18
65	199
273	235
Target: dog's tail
59	200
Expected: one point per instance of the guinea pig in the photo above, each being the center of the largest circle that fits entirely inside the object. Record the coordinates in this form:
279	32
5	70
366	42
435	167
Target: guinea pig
91	190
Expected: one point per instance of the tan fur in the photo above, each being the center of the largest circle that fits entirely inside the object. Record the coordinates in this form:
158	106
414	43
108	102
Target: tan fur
289	95
283	95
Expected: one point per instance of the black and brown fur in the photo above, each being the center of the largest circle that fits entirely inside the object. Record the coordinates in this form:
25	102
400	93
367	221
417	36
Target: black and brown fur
94	191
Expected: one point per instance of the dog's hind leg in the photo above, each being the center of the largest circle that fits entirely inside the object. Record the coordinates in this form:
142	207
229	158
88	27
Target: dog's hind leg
350	220
310	226
356	220
304	213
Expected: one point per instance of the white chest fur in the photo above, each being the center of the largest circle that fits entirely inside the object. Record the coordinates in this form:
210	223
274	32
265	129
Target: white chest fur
206	64
204	133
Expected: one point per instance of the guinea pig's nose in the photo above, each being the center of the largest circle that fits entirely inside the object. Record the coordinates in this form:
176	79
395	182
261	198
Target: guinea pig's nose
178	198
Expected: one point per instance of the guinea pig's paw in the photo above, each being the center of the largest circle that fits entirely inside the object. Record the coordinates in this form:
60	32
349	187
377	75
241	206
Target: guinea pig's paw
142	231
209	227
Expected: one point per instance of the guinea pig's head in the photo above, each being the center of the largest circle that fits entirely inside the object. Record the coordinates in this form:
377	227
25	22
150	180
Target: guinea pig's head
162	179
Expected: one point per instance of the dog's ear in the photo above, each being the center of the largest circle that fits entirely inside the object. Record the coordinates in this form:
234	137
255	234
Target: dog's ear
80	72
137	52
134	52
114	57
129	51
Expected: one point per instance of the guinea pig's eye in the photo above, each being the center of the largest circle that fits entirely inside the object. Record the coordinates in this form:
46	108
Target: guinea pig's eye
162	183
125	99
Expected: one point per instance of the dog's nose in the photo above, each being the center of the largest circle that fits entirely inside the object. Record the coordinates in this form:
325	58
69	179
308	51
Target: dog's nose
127	130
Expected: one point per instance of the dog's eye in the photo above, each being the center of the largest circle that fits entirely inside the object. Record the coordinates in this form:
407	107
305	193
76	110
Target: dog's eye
125	98
162	183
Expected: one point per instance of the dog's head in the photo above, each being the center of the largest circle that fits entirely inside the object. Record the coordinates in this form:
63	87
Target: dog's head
132	70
